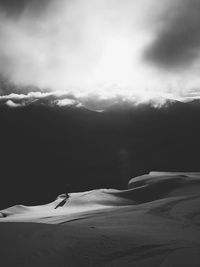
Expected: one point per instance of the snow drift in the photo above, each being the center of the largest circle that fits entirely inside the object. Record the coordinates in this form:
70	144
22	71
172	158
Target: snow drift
155	222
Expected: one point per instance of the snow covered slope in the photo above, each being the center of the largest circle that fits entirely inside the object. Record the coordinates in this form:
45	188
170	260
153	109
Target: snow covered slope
153	223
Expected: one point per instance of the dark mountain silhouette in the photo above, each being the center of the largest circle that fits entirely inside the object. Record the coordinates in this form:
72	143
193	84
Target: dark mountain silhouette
44	148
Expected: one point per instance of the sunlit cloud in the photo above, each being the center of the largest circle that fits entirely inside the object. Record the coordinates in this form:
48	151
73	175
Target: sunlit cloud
99	101
68	102
109	48
12	104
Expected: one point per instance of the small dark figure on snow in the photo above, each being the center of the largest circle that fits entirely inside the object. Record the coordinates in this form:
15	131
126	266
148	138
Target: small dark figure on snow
62	203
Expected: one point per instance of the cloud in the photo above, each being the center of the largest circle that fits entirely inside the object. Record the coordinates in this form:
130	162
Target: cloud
12	104
177	41
96	102
17	7
75	44
60	99
136	49
67	102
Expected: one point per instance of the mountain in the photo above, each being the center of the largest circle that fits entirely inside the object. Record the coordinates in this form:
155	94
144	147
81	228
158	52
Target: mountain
59	146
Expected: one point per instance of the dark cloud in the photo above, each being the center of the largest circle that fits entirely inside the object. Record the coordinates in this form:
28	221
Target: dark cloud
12	6
177	44
16	7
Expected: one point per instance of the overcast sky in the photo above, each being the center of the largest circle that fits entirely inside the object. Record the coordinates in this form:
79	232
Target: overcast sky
139	46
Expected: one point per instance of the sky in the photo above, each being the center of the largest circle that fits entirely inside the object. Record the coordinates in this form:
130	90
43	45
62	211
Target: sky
138	49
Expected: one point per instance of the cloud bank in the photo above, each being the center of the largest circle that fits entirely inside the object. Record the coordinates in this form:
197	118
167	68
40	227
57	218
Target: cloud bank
96	102
139	48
